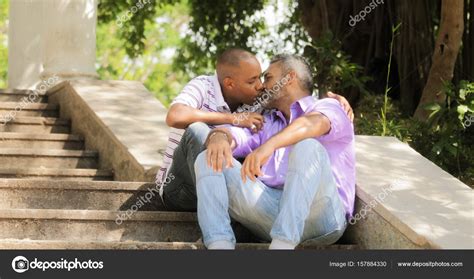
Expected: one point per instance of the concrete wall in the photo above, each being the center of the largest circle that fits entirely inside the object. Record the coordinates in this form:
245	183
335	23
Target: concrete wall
405	201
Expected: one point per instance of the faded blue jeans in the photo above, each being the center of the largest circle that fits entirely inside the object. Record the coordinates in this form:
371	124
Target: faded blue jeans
308	207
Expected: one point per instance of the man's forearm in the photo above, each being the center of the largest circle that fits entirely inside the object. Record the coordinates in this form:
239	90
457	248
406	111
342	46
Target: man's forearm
307	126
181	116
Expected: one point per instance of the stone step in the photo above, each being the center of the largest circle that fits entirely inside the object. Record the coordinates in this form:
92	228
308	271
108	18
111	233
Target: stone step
98	195
17	91
35	125
16	109
132	245
48	158
23	95
97	225
41	141
104	225
56	174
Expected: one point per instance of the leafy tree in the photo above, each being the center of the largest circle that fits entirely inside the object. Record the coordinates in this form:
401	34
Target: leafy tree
215	25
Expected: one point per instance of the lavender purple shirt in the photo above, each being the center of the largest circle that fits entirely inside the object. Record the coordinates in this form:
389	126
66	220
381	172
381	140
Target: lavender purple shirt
339	143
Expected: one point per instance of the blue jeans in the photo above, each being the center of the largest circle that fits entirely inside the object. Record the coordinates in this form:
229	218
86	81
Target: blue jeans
308	207
180	193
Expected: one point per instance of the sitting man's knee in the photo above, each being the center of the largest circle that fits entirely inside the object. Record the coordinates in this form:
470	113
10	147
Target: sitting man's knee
201	159
308	144
198	127
310	147
201	167
197	130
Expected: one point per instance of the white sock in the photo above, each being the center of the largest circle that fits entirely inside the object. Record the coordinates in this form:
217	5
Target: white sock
278	244
221	245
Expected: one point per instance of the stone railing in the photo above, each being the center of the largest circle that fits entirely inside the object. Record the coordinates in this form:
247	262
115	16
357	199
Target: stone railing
120	119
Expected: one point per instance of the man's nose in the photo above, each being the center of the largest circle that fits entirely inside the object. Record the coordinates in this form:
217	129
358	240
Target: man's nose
259	85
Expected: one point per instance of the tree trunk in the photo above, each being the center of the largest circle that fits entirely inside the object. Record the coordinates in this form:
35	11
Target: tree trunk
368	42
467	68
444	56
413	50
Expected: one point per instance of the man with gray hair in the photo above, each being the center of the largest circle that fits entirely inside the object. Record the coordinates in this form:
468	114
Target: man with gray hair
298	178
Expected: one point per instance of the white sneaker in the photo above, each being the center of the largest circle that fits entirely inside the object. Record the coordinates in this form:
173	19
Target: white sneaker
221	245
278	244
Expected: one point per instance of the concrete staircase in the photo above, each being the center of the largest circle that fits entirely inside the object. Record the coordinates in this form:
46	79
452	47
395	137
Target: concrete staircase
54	195
35	143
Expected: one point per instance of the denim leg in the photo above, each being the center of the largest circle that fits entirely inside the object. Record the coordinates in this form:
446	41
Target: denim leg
180	193
253	204
310	206
212	203
224	195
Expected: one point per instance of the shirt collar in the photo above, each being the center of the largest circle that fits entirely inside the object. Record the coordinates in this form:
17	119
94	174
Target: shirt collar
220	102
304	103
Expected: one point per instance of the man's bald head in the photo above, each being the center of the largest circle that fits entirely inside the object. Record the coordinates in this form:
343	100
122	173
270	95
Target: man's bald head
238	72
228	62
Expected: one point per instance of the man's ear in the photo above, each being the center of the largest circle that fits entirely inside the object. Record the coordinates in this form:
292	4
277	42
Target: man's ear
229	83
290	77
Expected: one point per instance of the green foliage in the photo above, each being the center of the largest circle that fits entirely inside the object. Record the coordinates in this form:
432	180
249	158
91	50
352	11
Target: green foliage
154	65
368	120
332	68
291	30
3	43
451	129
132	31
216	26
383	111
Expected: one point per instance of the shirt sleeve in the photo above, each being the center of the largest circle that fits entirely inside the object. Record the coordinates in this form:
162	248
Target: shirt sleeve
193	94
341	126
245	141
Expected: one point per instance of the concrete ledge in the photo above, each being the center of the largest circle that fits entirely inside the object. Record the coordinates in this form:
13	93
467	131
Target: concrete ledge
409	202
120	119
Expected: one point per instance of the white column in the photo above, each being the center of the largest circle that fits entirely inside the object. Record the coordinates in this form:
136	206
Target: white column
51	37
69	38
24	43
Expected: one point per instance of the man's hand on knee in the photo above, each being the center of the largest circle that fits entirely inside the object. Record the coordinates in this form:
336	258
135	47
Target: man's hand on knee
219	149
254	162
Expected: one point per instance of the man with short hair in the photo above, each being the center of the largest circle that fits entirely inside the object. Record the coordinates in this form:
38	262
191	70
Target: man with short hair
204	102
298	178
207	101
